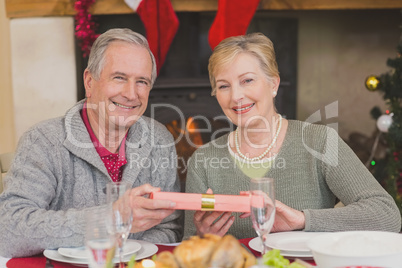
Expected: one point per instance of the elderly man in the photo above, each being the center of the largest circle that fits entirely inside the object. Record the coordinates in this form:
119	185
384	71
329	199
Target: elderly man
62	165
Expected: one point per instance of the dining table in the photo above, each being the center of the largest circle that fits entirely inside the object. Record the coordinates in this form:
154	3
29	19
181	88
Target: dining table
40	261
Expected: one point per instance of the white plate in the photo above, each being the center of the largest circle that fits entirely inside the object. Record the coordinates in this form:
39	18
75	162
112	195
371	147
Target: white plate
291	244
255	244
291	241
171	244
130	247
147	249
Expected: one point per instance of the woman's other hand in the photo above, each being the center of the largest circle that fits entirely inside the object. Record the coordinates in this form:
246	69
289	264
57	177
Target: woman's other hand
287	218
207	222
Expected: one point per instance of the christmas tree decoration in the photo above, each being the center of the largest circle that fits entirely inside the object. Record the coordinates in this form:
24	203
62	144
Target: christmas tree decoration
388	169
384	122
161	25
232	19
372	83
84	26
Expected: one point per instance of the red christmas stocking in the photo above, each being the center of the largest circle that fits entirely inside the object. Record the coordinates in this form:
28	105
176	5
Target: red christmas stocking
232	19
161	24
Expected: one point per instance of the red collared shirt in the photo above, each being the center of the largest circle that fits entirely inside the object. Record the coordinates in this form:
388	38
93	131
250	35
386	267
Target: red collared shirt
113	162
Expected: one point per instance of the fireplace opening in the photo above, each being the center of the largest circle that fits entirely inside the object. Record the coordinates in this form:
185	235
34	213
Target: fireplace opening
191	134
181	98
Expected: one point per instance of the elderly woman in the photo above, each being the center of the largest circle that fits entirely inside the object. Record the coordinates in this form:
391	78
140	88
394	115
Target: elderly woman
311	165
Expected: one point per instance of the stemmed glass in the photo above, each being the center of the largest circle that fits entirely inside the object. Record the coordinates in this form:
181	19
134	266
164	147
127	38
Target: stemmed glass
99	242
122	217
262	207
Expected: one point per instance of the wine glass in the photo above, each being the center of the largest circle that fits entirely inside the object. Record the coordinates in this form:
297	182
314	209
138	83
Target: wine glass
262	205
122	217
100	243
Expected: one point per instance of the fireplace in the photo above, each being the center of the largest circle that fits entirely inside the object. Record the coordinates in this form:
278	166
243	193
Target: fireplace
181	98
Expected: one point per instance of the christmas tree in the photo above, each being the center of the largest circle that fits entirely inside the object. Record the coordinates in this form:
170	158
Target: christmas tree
388	171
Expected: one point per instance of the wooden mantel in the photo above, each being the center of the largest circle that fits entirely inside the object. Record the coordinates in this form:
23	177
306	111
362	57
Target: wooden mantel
40	8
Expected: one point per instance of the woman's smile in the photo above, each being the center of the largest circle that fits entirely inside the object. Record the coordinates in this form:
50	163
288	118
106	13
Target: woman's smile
243	109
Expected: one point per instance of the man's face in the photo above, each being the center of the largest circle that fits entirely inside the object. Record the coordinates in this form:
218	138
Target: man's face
120	96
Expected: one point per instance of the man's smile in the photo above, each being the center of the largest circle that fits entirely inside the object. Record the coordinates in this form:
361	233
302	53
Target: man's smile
123	106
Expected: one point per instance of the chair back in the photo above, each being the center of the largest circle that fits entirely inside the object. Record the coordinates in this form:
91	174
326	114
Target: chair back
5	163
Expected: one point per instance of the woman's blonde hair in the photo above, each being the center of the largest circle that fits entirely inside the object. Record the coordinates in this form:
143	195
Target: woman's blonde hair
255	44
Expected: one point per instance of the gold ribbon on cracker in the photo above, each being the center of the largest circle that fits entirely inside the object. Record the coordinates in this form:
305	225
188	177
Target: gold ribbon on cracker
208	202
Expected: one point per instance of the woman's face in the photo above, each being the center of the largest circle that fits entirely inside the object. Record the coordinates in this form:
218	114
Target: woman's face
244	92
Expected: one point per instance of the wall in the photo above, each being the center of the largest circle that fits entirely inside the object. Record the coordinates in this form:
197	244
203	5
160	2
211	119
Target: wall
337	51
43	69
7	131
